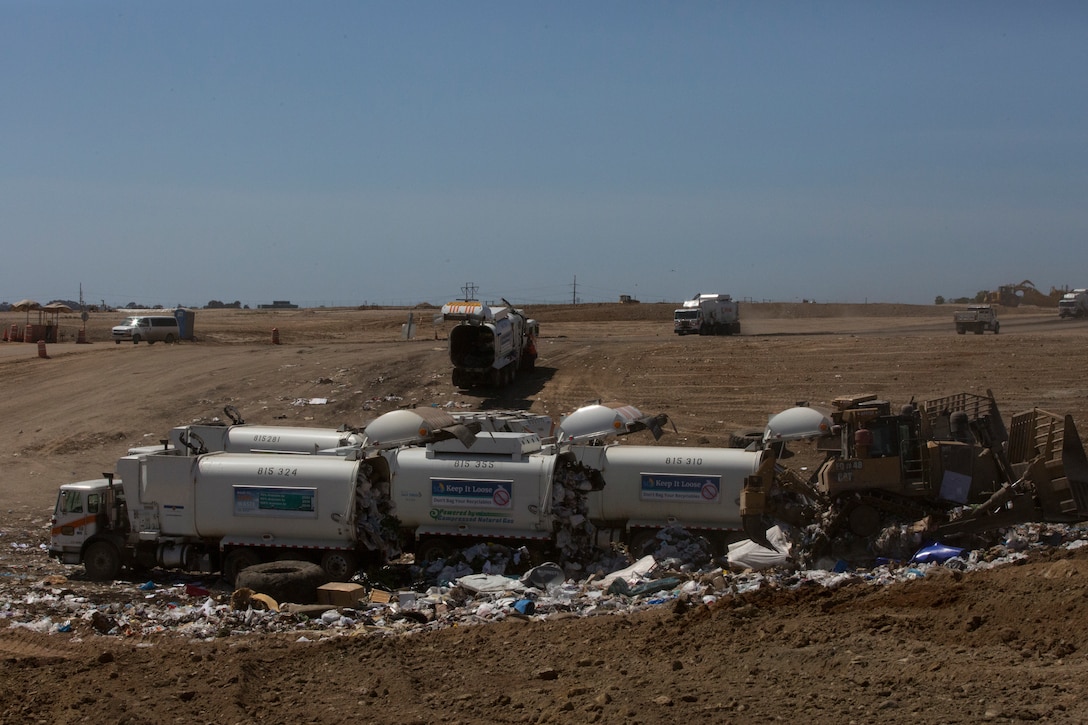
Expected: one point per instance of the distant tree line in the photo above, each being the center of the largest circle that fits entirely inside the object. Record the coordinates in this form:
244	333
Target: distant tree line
980	296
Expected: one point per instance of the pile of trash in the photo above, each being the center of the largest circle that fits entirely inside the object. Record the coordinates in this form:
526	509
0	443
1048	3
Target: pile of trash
473	589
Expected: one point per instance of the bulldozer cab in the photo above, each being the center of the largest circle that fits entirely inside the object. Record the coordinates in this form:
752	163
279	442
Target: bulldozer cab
877	450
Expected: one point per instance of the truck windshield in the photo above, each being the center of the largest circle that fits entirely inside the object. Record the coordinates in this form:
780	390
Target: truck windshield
71	502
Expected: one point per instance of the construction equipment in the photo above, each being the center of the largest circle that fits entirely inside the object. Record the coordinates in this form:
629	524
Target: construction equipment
948	463
707	314
489	345
1023	293
977	319
1073	304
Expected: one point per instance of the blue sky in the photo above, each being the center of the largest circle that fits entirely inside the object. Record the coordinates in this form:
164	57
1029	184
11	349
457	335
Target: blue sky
336	153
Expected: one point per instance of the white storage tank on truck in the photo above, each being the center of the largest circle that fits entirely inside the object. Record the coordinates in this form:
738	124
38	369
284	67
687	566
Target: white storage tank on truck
241	437
493	484
489	345
649	488
261	439
223	512
707	314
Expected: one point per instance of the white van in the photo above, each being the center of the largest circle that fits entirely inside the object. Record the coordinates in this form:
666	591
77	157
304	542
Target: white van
150	328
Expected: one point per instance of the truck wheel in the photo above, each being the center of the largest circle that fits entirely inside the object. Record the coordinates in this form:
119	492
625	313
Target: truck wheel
170	340
338	565
433	548
284	581
238	560
102	561
135	339
642	542
997	328
961	330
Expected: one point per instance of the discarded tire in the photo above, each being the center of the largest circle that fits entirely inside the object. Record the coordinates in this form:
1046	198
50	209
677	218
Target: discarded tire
284	581
745	438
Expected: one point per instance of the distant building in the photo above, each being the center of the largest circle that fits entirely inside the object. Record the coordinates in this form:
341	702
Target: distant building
278	305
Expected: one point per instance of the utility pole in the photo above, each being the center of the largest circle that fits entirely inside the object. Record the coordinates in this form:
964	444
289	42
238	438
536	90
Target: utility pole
574	291
468	292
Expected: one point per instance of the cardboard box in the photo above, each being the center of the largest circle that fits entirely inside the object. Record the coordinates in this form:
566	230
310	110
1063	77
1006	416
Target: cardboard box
341	594
380	596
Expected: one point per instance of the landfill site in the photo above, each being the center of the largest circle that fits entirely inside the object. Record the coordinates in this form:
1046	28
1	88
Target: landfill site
840	579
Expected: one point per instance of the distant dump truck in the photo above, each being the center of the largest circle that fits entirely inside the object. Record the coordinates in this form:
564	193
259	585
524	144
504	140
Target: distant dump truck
1073	304
707	314
977	319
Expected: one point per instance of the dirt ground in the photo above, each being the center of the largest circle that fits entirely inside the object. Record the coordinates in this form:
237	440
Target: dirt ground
1007	644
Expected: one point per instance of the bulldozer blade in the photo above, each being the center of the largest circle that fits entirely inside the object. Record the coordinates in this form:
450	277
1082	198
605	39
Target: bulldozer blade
1075	465
756	530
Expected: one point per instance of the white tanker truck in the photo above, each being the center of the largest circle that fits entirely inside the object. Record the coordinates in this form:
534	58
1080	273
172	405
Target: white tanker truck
222	512
421	480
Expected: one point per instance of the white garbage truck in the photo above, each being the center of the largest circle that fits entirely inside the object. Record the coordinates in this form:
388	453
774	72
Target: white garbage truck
1073	304
707	314
422	481
223	512
489	345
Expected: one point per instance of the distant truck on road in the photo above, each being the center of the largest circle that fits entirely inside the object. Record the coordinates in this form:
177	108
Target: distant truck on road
977	319
1073	304
707	314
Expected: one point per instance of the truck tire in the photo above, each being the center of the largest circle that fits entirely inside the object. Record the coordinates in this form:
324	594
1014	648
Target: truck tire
961	330
236	561
642	542
434	548
339	566
102	561
997	328
284	581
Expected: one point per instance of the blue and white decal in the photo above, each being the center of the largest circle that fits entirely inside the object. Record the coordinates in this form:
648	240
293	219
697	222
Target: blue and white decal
684	488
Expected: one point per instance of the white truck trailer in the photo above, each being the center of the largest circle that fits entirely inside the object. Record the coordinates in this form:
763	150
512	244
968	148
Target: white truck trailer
707	314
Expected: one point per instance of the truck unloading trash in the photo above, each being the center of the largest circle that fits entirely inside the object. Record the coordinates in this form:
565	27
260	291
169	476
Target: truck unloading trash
222	512
421	481
943	468
489	345
707	314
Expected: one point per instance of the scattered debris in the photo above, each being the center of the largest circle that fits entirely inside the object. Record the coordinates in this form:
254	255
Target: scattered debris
35	596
